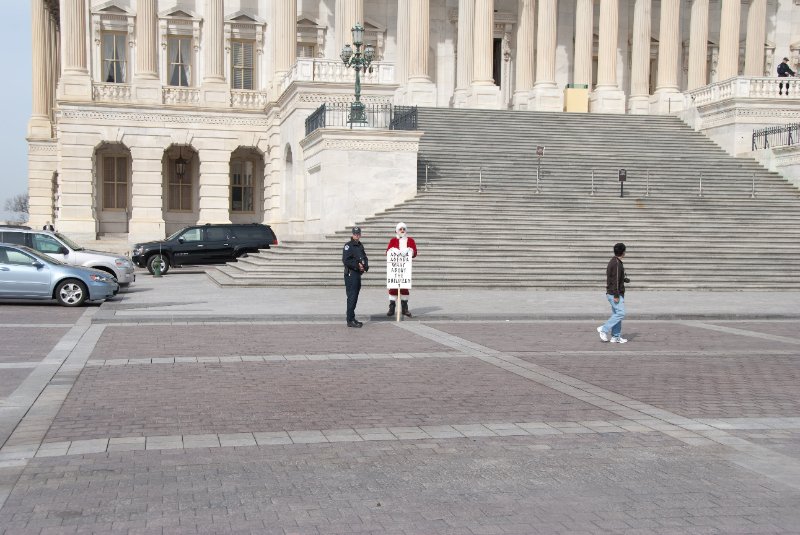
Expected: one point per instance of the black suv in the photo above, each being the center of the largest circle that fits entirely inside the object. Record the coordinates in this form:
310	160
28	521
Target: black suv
204	244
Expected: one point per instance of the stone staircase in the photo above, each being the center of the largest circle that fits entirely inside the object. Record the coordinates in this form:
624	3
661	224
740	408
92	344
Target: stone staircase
508	235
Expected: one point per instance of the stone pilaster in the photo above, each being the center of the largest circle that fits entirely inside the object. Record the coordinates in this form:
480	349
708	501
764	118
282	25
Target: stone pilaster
728	63
466	23
214	182
584	37
545	95
698	45
147	190
483	93
42	167
147	86
215	91
668	98
639	100
420	91
756	35
75	84
284	44
78	196
526	30
39	123
607	96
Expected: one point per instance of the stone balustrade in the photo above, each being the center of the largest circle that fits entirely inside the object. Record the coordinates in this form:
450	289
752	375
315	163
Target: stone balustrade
250	100
743	87
329	70
181	96
112	92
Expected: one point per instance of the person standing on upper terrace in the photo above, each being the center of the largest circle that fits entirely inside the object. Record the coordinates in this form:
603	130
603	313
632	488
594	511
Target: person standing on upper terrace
784	71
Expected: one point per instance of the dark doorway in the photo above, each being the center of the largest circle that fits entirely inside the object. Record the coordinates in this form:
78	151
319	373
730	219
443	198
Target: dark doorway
497	60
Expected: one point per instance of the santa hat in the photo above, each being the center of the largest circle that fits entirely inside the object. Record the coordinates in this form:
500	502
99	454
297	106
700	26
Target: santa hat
399	226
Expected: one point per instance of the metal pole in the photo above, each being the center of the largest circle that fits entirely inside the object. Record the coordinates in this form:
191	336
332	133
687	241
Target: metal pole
701	185
647	188
538	173
592	192
426	177
753	194
480	179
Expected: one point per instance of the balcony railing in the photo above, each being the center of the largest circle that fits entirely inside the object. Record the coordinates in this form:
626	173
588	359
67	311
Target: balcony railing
746	88
329	70
776	136
249	100
181	96
112	92
378	116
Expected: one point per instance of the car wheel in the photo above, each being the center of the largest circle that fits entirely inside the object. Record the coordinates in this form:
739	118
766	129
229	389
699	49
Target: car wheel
153	260
71	293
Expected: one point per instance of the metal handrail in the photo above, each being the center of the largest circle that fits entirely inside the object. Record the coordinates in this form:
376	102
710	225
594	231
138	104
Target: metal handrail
776	136
380	116
316	120
404	118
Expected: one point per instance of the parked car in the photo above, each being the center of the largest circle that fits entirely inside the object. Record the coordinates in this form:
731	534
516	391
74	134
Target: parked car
204	244
29	274
61	248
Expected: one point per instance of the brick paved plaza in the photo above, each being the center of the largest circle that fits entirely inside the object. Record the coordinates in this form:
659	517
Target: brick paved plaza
113	423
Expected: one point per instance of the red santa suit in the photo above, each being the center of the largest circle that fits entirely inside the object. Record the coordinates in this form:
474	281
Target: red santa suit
402	243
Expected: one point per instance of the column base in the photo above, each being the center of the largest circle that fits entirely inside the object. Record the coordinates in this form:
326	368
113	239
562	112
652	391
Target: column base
75	87
147	91
420	92
639	105
215	95
484	97
546	98
520	100
40	128
666	103
603	100
460	98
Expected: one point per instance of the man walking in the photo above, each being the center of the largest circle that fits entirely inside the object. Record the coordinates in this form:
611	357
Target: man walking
784	71
401	241
355	263
615	293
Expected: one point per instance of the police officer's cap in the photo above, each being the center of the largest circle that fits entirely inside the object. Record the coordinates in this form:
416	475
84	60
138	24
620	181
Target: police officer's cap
356	231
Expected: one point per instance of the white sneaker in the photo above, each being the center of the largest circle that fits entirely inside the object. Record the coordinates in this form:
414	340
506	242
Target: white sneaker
618	340
602	333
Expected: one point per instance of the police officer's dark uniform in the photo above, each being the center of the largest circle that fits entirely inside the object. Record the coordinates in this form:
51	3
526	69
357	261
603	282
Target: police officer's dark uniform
784	71
355	263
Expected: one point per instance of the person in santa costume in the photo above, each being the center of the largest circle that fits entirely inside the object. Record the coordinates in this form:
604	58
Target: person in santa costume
400	241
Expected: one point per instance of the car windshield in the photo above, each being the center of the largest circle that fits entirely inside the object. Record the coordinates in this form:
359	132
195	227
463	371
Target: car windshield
42	257
172	237
71	244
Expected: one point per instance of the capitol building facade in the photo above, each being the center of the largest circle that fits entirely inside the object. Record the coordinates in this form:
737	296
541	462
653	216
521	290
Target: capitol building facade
149	115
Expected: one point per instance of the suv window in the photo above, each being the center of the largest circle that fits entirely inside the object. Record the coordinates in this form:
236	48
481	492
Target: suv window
217	233
12	237
252	233
46	244
193	234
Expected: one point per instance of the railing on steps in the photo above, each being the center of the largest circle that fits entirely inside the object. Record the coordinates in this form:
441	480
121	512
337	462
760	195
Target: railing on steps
776	136
404	118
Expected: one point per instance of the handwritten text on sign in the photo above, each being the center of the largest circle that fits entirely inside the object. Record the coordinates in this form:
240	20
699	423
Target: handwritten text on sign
398	268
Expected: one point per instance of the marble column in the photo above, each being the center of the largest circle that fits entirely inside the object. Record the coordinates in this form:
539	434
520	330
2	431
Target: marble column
39	124
668	98
147	85
728	63
698	45
526	30
466	23
756	35
639	100
420	90
75	83
348	13
284	42
584	41
545	95
607	96
483	92
401	65
214	90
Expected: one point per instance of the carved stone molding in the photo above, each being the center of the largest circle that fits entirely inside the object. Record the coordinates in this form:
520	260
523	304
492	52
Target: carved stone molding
47	148
120	117
371	146
328	97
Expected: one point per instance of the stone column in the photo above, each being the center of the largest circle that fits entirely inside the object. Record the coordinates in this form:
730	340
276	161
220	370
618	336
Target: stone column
698	45
756	35
584	37
545	95
607	96
215	90
147	189
728	64
668	98
146	84
639	101
483	92
214	181
39	124
466	24
401	65
526	29
421	91
348	12
284	43
75	83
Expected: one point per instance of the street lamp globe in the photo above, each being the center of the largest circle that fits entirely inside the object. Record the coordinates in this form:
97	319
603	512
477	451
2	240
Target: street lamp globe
347	53
358	35
369	54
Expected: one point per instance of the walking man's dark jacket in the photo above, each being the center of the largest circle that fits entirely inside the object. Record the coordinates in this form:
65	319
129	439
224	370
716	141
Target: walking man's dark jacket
615	277
784	70
352	255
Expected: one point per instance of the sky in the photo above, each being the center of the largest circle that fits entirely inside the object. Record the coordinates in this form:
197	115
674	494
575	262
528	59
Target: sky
15	98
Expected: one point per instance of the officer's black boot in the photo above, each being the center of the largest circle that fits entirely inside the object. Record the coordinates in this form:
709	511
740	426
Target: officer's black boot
405	309
391	309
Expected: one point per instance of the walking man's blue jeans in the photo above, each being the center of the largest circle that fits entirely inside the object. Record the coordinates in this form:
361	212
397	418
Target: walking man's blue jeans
614	323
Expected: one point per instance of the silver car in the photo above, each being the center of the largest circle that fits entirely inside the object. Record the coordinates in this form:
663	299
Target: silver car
28	274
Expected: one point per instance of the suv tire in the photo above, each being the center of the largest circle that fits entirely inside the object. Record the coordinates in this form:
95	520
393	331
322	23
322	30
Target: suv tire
71	293
153	259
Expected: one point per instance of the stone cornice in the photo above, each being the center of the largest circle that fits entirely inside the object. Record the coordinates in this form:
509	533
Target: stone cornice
117	116
43	146
362	140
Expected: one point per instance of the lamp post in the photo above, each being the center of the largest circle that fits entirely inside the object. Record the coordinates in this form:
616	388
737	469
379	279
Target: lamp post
359	61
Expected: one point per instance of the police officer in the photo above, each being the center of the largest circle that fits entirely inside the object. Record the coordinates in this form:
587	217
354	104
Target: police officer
355	263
